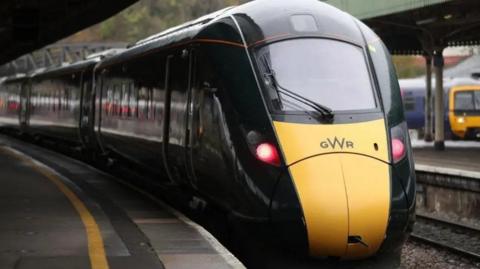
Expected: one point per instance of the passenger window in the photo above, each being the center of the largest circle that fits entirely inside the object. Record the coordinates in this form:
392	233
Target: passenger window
125	100
133	103
108	106
66	99
143	103
157	103
55	99
116	100
151	112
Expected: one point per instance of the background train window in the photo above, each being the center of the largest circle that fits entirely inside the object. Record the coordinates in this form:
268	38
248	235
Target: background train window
477	99
409	103
464	100
331	73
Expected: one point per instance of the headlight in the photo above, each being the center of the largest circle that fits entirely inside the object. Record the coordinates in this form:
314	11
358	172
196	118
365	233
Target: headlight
398	136
460	120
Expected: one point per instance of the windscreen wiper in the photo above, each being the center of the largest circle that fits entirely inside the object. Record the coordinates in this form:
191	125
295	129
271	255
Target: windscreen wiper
324	111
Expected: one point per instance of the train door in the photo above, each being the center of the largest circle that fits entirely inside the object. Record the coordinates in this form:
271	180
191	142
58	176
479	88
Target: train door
85	123
194	93
175	122
209	153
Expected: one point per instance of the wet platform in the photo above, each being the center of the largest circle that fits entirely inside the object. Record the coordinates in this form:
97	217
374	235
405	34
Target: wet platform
57	213
460	158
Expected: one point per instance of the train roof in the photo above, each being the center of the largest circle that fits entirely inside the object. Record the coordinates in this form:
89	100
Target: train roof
66	68
260	21
265	20
69	68
16	78
418	84
189	27
105	53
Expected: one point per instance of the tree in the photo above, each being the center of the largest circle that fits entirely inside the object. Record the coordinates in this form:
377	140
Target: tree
148	17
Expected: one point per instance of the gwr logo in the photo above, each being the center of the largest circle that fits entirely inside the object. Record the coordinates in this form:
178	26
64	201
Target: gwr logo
335	142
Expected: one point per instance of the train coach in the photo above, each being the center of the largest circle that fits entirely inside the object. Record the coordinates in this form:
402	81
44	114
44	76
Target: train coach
11	89
461	101
287	115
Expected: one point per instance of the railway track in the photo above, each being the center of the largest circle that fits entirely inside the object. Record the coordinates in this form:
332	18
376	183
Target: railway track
461	239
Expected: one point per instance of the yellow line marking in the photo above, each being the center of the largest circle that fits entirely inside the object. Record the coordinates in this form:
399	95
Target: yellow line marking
96	248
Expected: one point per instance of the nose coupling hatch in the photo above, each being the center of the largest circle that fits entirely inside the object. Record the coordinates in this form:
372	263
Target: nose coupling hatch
356	239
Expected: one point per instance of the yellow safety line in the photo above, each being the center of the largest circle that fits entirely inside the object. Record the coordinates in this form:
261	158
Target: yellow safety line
96	248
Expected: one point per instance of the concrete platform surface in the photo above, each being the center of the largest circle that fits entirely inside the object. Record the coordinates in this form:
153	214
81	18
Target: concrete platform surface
460	158
56	212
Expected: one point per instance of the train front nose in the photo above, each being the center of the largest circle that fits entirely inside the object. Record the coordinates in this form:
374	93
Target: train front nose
345	202
342	179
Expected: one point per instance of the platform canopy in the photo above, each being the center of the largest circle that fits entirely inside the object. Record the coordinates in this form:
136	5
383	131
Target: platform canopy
412	27
26	25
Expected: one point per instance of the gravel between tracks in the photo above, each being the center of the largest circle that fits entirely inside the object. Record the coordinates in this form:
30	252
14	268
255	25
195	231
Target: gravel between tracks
418	255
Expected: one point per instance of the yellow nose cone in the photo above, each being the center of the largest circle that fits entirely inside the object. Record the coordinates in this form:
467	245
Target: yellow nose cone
344	192
343	196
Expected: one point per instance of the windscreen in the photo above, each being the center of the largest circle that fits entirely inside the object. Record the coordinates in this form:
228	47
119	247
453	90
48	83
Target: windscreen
327	72
467	100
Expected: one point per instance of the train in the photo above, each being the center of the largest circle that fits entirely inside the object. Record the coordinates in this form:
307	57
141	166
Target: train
285	114
461	102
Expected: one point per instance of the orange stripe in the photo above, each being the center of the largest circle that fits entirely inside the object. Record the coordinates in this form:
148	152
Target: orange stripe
268	38
219	41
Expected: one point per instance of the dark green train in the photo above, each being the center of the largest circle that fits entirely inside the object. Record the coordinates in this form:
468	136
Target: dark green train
285	114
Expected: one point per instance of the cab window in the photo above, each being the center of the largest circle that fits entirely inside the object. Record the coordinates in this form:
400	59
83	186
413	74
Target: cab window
328	72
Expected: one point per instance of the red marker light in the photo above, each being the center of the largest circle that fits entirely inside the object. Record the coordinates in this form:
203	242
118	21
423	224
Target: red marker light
267	153
398	149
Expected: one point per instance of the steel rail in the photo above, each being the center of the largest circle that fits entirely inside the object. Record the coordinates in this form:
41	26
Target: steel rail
443	245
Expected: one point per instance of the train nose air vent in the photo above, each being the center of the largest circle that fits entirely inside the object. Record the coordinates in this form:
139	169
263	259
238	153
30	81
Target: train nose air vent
356	239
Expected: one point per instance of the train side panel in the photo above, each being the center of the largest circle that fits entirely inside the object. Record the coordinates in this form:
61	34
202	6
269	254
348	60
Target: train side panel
201	98
130	111
55	106
10	102
414	105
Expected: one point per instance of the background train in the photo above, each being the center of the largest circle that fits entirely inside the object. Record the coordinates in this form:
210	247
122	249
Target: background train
286	115
462	106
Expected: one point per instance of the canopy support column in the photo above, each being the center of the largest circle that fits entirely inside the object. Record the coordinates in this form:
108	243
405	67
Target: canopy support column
438	64
428	99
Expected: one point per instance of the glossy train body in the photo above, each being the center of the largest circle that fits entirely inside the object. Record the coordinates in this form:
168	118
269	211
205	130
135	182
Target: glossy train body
283	113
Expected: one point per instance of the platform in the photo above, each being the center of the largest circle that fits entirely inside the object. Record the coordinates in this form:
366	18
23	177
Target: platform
57	213
460	158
